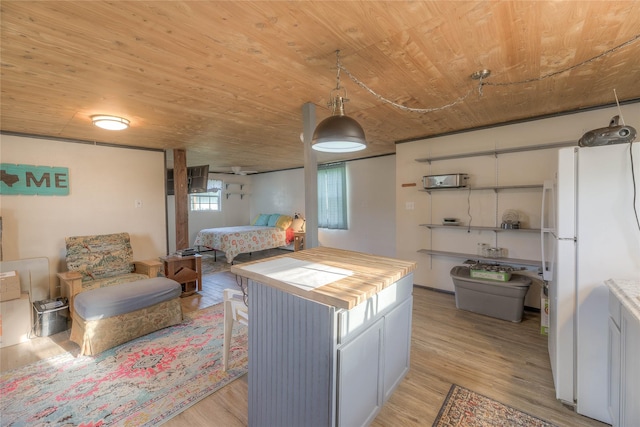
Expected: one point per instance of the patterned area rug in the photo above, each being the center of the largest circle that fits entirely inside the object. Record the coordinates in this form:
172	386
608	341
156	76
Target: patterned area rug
144	382
209	266
465	408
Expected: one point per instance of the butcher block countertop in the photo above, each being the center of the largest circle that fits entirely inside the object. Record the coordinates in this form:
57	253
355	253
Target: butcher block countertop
329	276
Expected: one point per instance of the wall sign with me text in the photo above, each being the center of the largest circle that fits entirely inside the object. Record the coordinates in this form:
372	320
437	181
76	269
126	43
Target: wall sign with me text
33	180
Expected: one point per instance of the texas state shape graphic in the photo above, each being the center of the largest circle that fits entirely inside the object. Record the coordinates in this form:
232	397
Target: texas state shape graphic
8	178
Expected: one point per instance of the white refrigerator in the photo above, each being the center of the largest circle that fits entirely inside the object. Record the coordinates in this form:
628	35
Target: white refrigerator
589	235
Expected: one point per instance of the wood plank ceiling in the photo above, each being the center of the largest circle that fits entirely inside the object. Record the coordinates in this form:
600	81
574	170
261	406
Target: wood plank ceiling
227	80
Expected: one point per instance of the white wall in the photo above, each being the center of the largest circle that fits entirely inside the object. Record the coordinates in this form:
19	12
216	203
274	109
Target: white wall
104	184
372	212
371	198
371	204
486	209
278	192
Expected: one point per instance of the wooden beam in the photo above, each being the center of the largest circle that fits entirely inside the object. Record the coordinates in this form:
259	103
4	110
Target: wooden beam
181	198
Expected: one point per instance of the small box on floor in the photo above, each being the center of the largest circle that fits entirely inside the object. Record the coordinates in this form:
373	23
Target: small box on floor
9	285
15	321
50	317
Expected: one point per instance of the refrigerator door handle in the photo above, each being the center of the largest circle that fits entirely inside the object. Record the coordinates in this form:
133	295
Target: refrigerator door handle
547	189
547	273
546	226
544	262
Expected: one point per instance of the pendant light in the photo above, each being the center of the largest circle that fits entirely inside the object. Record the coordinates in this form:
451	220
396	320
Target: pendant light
338	133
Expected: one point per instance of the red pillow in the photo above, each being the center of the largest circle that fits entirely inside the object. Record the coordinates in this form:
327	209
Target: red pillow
289	235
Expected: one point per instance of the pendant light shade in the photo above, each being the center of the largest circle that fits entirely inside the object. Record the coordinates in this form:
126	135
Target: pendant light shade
338	134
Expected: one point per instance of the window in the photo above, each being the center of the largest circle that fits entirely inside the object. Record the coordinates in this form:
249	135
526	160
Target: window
332	196
209	201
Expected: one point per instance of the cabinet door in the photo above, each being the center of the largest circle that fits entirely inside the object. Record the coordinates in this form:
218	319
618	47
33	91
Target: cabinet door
614	373
359	380
630	392
397	345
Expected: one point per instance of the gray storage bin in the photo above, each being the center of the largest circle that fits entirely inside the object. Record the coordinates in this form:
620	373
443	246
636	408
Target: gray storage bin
503	300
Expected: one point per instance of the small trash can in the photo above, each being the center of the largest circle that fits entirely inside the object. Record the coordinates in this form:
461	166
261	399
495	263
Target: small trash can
502	300
50	317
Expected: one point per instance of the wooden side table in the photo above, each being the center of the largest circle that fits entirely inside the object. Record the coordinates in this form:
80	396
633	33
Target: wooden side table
186	270
298	240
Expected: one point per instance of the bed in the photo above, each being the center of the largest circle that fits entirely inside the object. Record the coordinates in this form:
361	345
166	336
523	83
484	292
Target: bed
276	232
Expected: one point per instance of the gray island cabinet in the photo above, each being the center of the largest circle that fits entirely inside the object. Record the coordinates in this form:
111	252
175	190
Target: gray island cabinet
329	336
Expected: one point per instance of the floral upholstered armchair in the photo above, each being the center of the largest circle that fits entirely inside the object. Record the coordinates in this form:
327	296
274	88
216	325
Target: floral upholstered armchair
102	260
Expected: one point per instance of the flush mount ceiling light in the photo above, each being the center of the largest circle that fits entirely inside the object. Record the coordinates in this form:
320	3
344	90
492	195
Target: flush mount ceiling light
110	122
338	133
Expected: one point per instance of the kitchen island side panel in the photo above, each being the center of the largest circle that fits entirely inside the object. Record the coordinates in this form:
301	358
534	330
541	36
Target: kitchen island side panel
291	363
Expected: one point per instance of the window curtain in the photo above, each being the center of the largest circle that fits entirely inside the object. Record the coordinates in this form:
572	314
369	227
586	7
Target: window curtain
214	186
332	196
210	200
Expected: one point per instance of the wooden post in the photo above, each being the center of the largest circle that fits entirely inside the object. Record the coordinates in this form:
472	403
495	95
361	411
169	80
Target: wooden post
181	198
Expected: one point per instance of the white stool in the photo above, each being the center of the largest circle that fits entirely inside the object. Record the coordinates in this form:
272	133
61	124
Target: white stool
234	310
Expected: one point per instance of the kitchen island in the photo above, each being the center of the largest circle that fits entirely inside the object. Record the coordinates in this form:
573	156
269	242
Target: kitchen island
329	336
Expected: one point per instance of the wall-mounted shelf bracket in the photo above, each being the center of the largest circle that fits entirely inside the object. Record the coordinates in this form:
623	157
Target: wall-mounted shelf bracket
227	184
239	194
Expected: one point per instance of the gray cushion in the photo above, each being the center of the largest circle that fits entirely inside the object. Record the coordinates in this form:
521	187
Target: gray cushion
125	298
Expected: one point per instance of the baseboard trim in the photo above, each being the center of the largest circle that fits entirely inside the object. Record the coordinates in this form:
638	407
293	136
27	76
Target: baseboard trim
443	291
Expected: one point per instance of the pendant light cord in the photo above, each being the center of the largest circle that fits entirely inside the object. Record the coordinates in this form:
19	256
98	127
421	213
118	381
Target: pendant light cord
338	66
635	189
404	107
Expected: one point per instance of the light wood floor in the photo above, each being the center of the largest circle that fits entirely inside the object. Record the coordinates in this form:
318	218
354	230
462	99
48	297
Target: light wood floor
503	360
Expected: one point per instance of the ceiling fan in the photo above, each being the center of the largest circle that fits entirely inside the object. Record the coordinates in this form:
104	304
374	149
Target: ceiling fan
237	170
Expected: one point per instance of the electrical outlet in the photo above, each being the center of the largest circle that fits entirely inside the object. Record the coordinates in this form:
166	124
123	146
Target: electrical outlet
409	206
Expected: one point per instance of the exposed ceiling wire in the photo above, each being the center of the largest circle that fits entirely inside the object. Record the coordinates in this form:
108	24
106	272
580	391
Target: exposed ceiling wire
555	73
481	81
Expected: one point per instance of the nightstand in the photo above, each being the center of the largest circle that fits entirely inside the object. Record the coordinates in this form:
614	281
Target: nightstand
186	270
298	240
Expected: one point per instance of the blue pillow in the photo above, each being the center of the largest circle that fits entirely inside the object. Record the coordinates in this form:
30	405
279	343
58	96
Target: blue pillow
263	219
272	220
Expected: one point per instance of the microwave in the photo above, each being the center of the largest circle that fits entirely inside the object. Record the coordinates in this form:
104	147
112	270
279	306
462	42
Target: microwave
452	180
